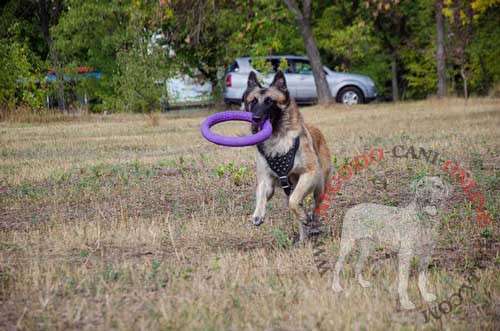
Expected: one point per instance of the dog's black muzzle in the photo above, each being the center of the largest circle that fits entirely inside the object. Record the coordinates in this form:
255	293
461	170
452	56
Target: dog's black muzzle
257	119
260	113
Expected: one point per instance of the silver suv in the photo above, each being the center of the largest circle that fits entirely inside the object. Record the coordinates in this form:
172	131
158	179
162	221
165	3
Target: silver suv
346	88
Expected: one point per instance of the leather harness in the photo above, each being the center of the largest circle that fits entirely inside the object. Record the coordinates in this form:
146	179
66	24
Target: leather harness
281	165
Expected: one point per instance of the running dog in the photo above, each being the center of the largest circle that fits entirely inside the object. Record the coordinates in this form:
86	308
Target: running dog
411	231
295	157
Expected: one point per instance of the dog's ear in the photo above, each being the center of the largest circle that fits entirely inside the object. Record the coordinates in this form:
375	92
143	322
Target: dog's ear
279	82
413	185
253	81
448	188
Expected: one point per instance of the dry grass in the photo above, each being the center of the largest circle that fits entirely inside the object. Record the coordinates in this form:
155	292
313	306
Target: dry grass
129	222
27	115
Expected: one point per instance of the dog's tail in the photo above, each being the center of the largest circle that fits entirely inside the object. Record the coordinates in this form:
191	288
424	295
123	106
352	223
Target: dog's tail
321	148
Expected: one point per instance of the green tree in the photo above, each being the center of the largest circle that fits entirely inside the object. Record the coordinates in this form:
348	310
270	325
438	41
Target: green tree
390	23
464	17
137	45
49	14
418	50
207	36
348	43
116	37
484	51
22	50
143	67
91	33
15	66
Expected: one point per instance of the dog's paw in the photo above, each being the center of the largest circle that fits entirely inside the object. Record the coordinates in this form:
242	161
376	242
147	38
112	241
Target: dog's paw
429	297
299	243
314	231
364	283
407	304
258	220
336	287
307	221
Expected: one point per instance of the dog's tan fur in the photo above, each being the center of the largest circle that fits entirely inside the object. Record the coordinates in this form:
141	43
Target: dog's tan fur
312	164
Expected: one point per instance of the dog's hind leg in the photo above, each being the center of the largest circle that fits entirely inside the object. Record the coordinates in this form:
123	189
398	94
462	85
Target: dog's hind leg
304	186
346	245
265	191
313	219
318	199
365	248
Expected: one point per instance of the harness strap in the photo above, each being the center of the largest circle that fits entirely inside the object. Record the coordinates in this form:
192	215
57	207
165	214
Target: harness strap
281	165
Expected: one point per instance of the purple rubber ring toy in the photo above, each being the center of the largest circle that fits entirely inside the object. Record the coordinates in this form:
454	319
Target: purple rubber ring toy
254	139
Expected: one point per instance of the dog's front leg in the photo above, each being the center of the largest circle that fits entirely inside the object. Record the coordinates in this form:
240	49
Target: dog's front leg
423	266
265	190
304	186
404	257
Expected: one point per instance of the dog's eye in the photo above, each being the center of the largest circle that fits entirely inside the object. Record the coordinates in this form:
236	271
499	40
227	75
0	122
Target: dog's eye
254	101
438	186
268	101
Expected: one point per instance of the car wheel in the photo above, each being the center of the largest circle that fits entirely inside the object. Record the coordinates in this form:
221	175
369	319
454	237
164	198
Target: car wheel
350	96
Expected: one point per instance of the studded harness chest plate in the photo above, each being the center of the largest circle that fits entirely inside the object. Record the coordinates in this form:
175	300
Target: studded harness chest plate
281	165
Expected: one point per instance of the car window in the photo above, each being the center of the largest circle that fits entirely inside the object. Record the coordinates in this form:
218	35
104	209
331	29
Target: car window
271	65
234	67
274	64
302	67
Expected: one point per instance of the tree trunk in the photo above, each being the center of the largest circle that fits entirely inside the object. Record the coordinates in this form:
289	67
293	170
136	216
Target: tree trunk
59	79
451	68
486	79
303	18
464	77
395	84
440	52
54	55
322	88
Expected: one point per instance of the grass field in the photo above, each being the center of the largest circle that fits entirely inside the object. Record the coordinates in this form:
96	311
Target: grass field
132	222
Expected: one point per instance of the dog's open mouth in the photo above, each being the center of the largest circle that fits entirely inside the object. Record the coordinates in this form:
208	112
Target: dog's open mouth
431	207
431	210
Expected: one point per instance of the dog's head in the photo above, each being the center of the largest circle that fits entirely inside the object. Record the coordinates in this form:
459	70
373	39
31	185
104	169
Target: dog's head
266	103
430	193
